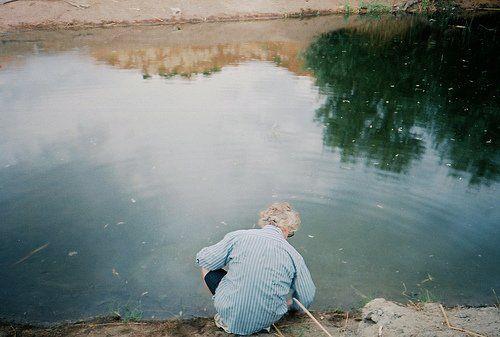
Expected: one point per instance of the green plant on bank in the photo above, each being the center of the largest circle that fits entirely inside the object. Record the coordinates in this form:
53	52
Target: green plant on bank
347	7
427	297
424	5
376	7
429	5
128	312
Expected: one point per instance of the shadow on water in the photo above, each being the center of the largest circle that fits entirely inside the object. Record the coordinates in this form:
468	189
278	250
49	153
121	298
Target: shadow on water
394	85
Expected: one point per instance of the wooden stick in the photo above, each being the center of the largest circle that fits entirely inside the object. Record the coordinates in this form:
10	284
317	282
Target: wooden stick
312	317
4	2
346	322
445	316
454	327
278	331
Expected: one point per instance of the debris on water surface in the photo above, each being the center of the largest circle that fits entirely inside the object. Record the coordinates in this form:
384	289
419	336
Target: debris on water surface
115	273
120	222
223	223
133	200
34	251
428	279
72	253
106	225
311	236
145	293
380	206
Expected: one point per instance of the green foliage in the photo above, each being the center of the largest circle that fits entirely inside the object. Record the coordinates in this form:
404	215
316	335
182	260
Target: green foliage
277	60
425	5
375	7
347	7
427	297
128	312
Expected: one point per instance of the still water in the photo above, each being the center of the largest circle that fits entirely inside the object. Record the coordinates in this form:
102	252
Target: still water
124	151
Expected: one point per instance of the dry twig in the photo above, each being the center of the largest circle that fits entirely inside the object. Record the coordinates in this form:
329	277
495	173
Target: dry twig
280	334
454	327
34	251
344	329
312	317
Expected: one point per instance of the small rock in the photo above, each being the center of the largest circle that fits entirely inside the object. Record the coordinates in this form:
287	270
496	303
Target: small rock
176	11
374	316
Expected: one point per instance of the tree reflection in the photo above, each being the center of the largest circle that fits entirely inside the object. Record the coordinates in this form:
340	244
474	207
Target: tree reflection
398	88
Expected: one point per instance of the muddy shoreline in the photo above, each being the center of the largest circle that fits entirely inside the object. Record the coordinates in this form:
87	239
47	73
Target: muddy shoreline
379	317
62	14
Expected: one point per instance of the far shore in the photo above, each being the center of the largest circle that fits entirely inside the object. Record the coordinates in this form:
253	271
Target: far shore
61	14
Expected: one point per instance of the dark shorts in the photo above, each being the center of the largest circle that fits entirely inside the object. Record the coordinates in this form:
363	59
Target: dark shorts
213	278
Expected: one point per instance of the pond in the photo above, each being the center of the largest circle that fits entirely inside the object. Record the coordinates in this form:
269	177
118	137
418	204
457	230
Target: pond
124	151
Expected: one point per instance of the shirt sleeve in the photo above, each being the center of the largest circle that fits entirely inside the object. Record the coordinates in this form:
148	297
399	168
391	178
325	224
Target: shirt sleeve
303	286
216	256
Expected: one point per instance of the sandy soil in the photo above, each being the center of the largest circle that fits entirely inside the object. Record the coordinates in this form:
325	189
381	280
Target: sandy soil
378	318
80	13
49	14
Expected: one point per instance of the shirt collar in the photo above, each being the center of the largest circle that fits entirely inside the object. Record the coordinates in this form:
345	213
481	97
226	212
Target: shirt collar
272	228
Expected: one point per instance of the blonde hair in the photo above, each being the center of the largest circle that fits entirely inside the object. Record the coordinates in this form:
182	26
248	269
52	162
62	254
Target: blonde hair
280	214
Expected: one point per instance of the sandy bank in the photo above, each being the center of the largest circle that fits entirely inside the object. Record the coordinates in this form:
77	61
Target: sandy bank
46	14
81	13
377	318
56	14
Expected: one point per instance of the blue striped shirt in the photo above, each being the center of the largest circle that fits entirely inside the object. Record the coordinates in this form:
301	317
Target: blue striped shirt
262	270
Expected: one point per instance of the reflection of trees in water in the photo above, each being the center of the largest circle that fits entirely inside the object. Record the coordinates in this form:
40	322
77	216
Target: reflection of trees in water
394	84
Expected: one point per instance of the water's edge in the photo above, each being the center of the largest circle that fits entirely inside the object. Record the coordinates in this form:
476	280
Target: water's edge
377	315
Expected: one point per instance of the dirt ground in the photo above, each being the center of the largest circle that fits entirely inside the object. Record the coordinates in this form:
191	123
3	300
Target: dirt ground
46	14
64	13
50	14
378	318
